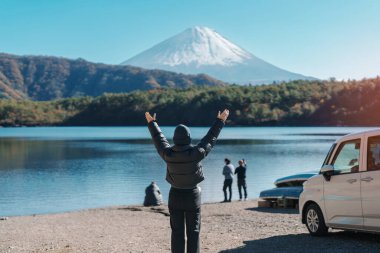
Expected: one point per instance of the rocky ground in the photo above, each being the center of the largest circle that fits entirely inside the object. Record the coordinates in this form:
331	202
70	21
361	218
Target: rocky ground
226	227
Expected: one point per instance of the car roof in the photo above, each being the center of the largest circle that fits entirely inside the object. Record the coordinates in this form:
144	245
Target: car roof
359	134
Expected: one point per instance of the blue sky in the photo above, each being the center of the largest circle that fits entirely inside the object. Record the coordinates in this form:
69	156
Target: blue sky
321	38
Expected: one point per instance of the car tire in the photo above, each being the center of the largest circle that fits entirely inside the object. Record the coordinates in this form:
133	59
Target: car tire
314	220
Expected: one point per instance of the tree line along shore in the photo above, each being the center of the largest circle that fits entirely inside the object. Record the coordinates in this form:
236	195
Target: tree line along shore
295	103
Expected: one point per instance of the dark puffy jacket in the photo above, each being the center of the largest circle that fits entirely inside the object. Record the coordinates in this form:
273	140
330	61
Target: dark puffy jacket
184	169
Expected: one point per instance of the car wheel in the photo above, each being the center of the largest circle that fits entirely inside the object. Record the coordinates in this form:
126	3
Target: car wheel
315	222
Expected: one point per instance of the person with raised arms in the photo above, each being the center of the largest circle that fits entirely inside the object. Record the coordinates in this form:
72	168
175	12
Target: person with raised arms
184	173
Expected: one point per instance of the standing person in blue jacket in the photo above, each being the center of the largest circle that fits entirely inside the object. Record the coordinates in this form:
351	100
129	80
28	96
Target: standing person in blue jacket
184	173
228	172
240	171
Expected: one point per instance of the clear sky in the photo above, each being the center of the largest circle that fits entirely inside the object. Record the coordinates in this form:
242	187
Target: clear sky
320	38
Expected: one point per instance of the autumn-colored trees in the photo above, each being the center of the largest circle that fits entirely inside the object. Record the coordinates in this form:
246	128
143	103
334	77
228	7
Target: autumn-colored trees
292	103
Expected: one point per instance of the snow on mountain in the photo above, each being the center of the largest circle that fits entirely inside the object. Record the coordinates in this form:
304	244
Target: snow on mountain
202	50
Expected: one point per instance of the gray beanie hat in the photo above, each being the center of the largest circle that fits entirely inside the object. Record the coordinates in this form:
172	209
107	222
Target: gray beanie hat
182	135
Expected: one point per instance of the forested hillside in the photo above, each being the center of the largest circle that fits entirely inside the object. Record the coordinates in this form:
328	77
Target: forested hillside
354	103
46	78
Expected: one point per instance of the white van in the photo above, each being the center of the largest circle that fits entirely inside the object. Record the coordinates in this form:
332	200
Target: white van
346	192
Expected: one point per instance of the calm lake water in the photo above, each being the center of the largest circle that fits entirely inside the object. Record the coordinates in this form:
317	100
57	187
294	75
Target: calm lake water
56	169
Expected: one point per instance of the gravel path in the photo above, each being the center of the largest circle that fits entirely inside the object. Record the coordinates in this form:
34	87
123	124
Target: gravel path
226	227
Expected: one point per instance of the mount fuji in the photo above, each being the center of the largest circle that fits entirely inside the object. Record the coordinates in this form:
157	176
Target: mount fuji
202	50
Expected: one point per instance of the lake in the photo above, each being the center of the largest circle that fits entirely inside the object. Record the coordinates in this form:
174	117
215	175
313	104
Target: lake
56	169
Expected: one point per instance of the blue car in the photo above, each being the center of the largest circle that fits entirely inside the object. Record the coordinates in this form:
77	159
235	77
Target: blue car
288	190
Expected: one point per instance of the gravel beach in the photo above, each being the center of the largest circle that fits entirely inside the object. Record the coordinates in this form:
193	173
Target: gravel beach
226	227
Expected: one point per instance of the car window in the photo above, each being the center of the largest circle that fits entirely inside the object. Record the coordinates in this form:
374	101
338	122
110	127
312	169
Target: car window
347	158
327	159
373	153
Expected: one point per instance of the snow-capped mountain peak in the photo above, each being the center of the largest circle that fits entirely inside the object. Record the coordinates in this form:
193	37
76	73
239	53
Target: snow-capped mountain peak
195	46
203	46
203	50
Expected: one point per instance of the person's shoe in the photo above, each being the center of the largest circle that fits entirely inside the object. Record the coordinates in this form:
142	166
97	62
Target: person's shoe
224	201
229	200
240	199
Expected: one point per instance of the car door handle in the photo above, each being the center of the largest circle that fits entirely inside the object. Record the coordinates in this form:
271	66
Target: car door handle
351	181
367	179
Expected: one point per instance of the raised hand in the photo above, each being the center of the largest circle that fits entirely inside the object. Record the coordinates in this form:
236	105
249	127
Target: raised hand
224	115
149	117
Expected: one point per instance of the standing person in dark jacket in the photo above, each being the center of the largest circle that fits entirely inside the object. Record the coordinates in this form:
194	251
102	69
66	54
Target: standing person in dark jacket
184	173
228	172
240	171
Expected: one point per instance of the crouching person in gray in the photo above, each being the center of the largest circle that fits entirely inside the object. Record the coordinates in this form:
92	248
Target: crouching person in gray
184	173
153	195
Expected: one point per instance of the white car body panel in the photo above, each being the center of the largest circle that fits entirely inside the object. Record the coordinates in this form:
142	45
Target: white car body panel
342	200
370	190
314	192
371	200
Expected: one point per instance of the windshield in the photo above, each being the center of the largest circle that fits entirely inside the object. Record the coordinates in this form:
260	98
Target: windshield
329	154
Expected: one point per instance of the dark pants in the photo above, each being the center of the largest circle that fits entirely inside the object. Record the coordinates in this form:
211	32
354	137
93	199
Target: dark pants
242	184
227	184
185	208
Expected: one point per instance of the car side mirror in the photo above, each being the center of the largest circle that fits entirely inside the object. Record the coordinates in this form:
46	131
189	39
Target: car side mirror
327	171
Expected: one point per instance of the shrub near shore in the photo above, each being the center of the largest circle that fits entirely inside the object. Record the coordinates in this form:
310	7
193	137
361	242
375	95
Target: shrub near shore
351	103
